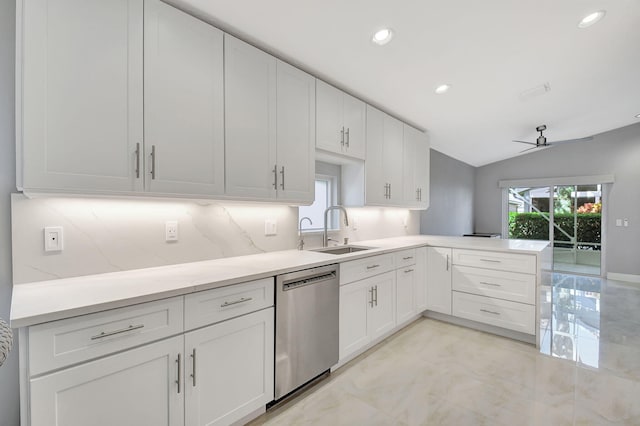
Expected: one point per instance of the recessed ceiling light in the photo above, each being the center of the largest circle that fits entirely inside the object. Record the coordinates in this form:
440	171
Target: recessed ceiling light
591	19
382	36
637	115
443	88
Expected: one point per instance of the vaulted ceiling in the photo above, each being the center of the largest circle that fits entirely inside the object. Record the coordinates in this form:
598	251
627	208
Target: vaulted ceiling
497	55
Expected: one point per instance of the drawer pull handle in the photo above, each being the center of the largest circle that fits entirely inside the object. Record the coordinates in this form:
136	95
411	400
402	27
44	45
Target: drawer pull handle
491	260
406	271
179	381
407	258
235	302
491	284
373	266
112	333
490	312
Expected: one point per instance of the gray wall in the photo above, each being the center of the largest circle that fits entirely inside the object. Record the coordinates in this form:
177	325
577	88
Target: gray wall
452	191
616	152
9	390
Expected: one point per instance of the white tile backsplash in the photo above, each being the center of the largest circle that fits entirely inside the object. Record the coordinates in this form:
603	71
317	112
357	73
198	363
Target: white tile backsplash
106	235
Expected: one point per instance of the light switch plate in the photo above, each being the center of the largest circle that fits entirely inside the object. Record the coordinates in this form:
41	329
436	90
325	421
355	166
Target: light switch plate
618	222
53	238
270	227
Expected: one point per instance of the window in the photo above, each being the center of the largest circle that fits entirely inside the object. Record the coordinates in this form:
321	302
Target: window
327	184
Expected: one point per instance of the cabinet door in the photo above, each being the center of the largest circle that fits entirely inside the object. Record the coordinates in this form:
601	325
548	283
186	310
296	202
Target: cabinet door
296	117
133	388
382	316
420	280
354	114
439	279
409	163
81	95
184	103
250	121
355	301
405	278
422	170
375	180
392	156
329	131
229	369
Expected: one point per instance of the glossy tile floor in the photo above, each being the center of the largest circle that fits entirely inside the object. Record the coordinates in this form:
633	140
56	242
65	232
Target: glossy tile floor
433	373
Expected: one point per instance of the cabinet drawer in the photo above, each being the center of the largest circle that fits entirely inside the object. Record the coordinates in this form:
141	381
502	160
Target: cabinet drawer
60	343
362	268
525	263
211	306
501	313
502	285
404	258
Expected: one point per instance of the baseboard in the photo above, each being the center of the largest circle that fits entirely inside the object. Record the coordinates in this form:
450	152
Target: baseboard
623	277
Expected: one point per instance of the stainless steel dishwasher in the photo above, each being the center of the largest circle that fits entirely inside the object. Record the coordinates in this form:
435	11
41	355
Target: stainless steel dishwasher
307	309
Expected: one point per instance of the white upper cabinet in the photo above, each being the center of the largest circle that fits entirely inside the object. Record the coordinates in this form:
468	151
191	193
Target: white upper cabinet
296	118
250	121
183	103
416	168
269	126
383	166
79	95
341	122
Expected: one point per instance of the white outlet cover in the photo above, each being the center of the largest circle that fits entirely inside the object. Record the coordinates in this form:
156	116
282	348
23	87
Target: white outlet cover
171	230
270	227
53	238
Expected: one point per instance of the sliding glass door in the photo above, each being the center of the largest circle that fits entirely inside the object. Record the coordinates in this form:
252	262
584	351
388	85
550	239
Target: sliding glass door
569	216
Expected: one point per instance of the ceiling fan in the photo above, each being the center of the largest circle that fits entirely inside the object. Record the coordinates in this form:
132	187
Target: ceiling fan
541	141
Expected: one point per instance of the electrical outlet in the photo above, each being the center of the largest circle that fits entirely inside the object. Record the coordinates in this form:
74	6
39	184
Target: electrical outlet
270	227
53	238
626	222
171	231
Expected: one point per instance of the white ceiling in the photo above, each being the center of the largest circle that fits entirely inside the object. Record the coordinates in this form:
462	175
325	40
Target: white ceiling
489	51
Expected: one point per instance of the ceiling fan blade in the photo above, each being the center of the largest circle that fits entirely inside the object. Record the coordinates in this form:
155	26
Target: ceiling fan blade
528	149
528	143
573	140
538	147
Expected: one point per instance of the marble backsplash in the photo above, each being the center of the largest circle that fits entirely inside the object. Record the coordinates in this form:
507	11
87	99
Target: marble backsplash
106	235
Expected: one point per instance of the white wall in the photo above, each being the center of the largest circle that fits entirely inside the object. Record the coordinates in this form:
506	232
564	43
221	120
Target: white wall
9	390
451	193
615	152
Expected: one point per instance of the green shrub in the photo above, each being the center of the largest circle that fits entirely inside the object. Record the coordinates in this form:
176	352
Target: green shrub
533	226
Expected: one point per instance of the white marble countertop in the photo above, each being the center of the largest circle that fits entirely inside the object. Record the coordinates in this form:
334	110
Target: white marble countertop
34	303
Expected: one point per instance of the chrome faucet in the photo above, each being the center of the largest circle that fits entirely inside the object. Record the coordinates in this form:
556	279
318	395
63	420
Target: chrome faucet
301	240
325	239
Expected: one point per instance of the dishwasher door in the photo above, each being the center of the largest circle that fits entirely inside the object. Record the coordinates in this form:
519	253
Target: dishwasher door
307	310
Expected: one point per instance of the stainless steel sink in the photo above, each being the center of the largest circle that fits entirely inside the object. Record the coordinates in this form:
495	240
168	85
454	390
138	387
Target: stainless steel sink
342	249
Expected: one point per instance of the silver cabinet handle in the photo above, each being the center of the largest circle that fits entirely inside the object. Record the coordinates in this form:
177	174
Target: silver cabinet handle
406	271
420	189
235	302
371	297
407	258
282	174
138	161
342	136
389	191
193	366
179	381
489	312
373	266
417	194
275	176
153	161
347	137
375	289
491	260
112	333
491	284
447	262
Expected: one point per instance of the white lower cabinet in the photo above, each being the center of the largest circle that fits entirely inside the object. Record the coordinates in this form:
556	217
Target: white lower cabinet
439	279
405	280
229	369
367	311
420	281
136	387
